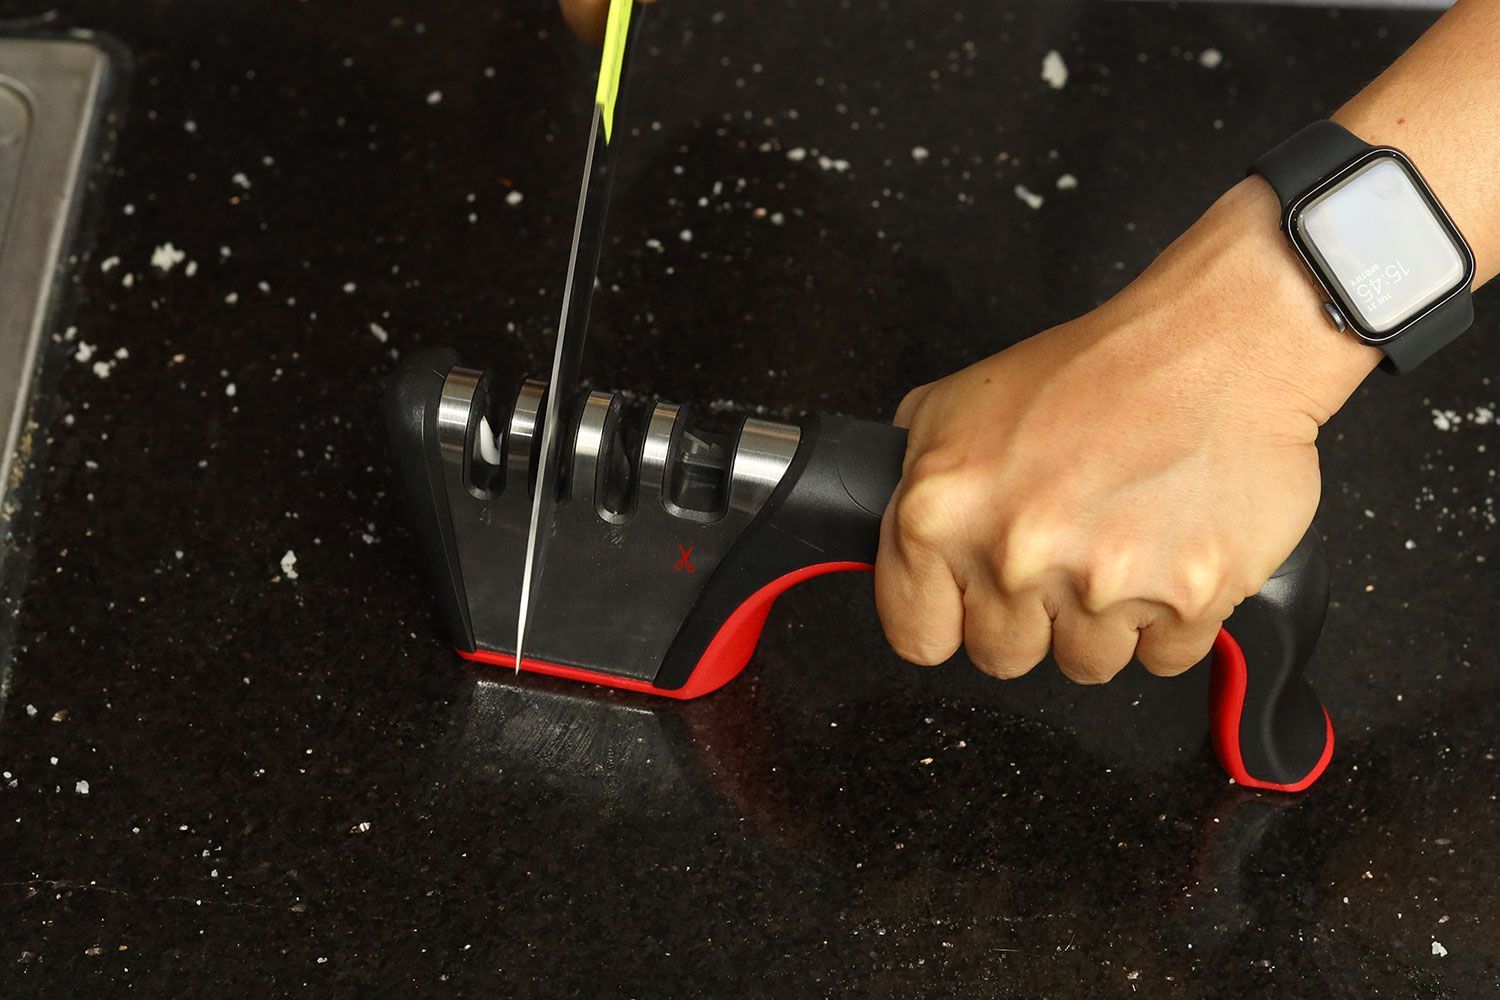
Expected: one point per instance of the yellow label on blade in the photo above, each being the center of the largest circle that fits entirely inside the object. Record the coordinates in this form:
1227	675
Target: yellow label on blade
614	56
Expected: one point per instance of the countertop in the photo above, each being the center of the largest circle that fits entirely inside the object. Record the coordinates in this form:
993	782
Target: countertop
228	771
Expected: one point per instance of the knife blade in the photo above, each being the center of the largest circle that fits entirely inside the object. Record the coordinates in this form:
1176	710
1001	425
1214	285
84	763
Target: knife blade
578	291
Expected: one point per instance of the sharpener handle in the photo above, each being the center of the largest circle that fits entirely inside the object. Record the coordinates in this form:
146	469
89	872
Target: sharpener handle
1269	729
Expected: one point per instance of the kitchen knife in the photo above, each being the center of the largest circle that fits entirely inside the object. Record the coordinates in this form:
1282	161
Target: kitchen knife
583	267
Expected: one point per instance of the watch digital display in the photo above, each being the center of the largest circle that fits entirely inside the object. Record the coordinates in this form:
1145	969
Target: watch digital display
1383	243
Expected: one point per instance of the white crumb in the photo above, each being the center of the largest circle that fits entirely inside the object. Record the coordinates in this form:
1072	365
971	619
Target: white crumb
103	369
85	353
514	198
1067	182
1446	420
230	389
379	332
128	280
289	565
686	236
231	298
919	153
1210	58
240	181
1054	70
82	788
108	264
349	287
435	97
191	268
1438	949
796	154
121	353
166	257
1031	198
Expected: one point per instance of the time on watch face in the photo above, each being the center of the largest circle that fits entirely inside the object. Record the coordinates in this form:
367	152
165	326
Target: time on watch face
1382	244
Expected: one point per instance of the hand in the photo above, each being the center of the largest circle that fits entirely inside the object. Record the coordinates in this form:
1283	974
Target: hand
1116	485
587	18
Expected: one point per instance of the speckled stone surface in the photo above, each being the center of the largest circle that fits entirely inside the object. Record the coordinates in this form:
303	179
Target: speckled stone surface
222	780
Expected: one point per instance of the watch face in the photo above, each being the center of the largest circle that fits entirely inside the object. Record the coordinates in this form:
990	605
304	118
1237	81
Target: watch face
1383	243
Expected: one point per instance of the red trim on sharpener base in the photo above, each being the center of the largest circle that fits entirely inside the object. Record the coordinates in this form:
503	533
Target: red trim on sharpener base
721	662
1226	704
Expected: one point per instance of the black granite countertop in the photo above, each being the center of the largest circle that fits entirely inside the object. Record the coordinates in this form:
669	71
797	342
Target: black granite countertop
220	778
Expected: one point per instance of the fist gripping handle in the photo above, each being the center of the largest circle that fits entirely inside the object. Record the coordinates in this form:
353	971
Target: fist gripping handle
1269	729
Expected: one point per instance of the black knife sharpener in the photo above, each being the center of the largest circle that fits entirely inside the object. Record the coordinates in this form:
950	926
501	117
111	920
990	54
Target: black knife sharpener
671	543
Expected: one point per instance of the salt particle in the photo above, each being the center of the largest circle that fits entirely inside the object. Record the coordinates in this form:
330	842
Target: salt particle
103	369
230	389
84	354
1438	950
1030	197
919	153
514	198
232	298
686	236
796	154
240	181
1067	182
166	257
289	565
1210	58
108	264
1410	544
349	287
1054	70
436	97
379	332
82	788
31	711
128	280
191	269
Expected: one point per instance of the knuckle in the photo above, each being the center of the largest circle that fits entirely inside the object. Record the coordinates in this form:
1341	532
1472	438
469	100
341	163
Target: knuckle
1106	577
925	514
1027	550
1196	585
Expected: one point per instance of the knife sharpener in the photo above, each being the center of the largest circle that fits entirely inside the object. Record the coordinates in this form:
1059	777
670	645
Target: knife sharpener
673	542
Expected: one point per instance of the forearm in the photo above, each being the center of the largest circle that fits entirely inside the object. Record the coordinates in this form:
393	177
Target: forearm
1440	104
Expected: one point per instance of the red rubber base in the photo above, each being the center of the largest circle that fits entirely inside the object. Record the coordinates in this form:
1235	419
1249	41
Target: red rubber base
1227	701
732	645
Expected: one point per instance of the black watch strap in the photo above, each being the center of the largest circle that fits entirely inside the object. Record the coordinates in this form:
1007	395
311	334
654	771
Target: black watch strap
1436	331
1308	157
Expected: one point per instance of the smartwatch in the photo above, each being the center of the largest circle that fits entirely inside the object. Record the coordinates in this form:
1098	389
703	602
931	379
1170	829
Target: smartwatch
1394	268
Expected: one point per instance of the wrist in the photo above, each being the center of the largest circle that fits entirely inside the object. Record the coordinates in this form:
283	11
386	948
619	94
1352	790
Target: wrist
1234	286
